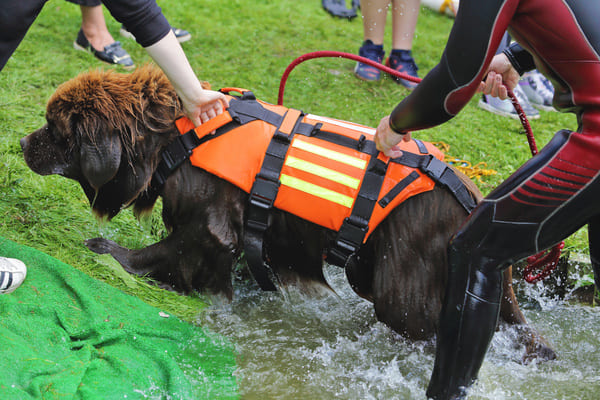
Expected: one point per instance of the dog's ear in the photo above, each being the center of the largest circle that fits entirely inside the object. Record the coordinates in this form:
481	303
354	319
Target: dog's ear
100	153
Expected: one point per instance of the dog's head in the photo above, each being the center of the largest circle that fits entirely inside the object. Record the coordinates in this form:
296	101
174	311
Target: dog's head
105	130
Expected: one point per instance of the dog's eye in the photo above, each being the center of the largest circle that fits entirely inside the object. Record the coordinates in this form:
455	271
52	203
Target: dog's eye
54	136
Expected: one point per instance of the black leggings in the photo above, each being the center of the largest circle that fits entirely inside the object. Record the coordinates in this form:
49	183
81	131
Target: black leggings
16	16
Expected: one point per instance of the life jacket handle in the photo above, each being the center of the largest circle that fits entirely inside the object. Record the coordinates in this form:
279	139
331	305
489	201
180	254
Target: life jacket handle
246	94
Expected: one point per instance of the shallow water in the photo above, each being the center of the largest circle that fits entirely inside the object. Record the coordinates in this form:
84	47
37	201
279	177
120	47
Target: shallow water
293	347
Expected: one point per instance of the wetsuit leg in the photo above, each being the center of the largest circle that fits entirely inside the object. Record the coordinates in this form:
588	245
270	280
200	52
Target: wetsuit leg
546	200
594	240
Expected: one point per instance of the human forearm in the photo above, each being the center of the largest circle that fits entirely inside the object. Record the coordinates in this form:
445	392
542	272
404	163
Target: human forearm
200	105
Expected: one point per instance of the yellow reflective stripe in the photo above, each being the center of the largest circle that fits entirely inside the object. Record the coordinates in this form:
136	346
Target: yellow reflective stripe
323	172
315	190
331	154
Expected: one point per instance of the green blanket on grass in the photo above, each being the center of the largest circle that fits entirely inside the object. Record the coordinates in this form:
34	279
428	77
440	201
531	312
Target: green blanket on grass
64	335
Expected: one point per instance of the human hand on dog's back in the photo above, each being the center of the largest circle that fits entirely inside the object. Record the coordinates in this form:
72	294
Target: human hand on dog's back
199	104
386	139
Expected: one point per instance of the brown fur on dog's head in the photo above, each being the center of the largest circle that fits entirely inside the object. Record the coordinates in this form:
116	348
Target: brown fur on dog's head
98	133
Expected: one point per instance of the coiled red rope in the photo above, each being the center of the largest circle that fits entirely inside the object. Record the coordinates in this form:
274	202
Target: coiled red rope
545	262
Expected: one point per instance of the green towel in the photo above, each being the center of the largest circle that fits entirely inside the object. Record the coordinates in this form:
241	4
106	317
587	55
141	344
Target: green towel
64	335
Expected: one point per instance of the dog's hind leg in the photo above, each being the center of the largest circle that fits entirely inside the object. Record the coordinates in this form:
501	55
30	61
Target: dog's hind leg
410	263
294	249
360	273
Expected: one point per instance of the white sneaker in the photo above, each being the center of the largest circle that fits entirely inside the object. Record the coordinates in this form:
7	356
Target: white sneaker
538	89
506	108
12	274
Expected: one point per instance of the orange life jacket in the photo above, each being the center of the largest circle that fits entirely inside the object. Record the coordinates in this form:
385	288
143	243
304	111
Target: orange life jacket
321	169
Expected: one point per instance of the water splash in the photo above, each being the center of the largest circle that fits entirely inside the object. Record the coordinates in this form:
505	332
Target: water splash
293	347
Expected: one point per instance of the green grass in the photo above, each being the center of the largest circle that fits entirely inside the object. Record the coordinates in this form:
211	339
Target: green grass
243	43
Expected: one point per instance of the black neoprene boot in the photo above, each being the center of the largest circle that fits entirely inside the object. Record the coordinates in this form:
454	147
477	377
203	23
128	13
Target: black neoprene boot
467	324
594	240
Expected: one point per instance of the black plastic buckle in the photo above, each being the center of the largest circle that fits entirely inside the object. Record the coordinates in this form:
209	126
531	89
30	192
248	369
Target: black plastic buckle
176	153
435	168
258	214
248	95
315	129
352	233
266	185
281	137
361	142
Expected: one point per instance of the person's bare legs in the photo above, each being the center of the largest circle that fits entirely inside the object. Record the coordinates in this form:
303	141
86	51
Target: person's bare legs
94	27
374	13
405	14
95	38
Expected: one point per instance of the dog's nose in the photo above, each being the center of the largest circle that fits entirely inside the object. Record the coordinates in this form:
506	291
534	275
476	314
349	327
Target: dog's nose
23	143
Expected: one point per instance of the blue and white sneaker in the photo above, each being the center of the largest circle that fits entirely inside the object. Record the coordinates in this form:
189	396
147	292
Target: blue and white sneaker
403	61
12	274
505	107
372	52
538	89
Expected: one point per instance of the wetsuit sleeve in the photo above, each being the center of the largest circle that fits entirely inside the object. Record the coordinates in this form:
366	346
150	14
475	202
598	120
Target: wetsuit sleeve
448	87
519	58
16	16
143	18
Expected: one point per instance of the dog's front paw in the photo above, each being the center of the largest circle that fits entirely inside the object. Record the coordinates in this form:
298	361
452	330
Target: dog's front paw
539	350
536	347
100	245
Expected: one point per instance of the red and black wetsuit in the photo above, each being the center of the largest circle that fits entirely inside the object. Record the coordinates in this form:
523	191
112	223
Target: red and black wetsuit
548	198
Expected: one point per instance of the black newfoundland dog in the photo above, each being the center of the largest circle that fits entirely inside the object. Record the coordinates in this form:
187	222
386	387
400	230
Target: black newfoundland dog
107	130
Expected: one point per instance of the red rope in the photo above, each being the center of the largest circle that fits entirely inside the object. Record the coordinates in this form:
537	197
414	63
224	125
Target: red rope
544	262
547	263
524	122
337	54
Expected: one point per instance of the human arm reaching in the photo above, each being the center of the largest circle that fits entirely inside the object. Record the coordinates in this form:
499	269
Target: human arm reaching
145	20
199	104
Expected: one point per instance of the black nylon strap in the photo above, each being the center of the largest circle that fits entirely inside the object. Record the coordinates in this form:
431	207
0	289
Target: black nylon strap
354	228
441	173
398	188
262	196
364	146
180	150
173	156
244	111
421	146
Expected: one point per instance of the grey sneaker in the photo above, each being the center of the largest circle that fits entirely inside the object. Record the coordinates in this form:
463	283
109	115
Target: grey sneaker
505	107
538	89
12	274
